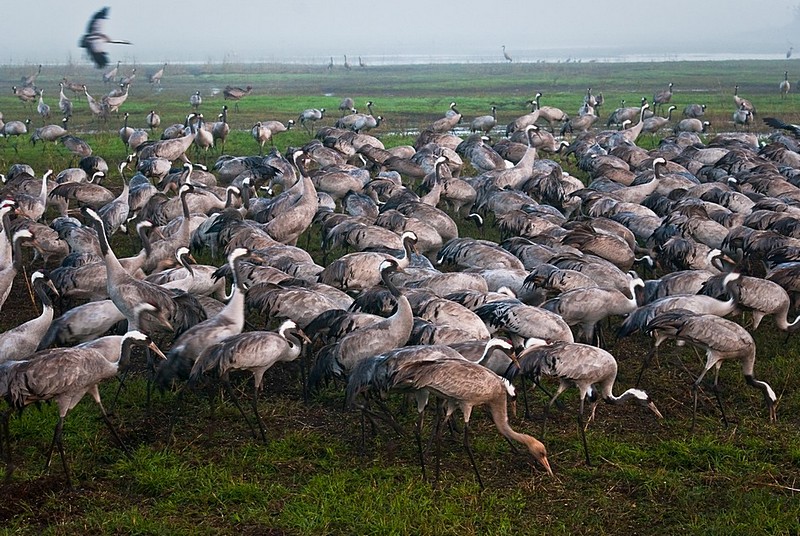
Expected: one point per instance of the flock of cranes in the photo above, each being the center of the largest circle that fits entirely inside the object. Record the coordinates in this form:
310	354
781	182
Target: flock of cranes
414	308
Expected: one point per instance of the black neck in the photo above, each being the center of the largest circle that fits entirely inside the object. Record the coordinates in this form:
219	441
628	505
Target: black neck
385	273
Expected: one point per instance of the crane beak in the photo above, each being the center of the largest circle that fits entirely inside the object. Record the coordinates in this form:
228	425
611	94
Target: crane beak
544	462
654	409
154	347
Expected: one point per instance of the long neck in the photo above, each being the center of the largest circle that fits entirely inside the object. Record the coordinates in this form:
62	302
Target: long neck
782	318
47	304
113	267
624	397
43	191
499	410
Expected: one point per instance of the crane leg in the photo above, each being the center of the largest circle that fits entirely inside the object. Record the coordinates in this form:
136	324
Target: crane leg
719	402
418	437
471	456
113	430
175	412
694	409
6	438
645	363
525	399
438	436
583	434
260	421
57	443
229	389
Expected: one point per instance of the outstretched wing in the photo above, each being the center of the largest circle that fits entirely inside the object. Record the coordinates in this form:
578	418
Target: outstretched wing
94	39
96	22
777	123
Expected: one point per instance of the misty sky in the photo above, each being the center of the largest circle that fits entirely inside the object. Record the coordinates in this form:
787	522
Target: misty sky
304	30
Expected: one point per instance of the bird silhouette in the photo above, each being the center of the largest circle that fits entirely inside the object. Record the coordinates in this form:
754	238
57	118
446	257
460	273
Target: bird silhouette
94	40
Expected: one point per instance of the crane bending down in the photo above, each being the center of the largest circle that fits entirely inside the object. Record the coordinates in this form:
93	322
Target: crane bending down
463	384
721	339
580	365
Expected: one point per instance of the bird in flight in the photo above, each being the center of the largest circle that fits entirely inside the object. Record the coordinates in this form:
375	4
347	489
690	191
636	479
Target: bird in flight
94	40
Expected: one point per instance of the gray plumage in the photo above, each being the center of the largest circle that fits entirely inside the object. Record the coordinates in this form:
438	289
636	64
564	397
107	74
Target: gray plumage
586	367
81	324
464	385
721	339
19	342
174	311
192	342
524	321
339	358
254	351
65	375
95	41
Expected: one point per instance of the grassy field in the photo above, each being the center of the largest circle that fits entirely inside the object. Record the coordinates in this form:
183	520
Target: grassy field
313	477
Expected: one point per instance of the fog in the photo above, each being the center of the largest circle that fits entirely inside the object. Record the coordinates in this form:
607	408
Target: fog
311	31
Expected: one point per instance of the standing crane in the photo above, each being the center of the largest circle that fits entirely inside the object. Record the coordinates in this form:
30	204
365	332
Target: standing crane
65	375
255	351
785	86
506	55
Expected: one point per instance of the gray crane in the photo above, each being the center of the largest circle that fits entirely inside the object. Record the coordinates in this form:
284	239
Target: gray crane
449	121
262	135
742	117
654	124
153	120
220	129
694	110
691	124
464	385
95	41
660	98
43	108
81	324
33	206
785	85
722	340
195	100
64	104
236	94
115	212
310	115
339	358
170	149
111	75
174	311
9	271
484	123
588	306
361	270
156	77
192	342
255	351
346	105
506	55
19	342
522	321
586	367
740	102
66	375
15	129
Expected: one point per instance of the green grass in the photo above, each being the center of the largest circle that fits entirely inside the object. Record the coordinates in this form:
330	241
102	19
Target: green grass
212	477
